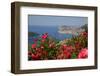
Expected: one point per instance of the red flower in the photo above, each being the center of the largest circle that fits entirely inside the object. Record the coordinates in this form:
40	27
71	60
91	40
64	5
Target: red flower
44	36
64	46
29	53
60	56
83	53
33	45
67	54
38	50
45	52
84	34
68	48
35	40
35	57
38	54
78	45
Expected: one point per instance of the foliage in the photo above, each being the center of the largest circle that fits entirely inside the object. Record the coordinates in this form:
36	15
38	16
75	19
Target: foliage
46	48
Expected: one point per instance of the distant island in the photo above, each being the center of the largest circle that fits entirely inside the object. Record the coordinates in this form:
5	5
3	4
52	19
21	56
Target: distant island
70	29
32	34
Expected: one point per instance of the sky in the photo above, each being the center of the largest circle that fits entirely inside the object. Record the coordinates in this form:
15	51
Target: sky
46	20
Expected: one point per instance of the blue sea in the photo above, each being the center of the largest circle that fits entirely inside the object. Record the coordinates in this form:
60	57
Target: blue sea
51	30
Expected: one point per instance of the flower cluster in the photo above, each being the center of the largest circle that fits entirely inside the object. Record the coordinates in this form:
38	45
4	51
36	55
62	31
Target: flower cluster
46	48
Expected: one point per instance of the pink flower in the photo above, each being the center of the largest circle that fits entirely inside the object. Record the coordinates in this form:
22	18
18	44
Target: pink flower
42	47
43	40
35	40
34	45
83	53
44	36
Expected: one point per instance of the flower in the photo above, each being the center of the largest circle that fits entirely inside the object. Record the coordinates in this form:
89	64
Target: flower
45	47
68	48
33	45
83	53
45	52
43	40
52	45
42	47
60	56
38	54
64	46
35	57
84	34
44	36
29	53
78	45
67	54
38	50
35	40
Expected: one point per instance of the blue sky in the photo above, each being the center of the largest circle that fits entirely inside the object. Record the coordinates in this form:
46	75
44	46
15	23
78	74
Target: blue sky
45	20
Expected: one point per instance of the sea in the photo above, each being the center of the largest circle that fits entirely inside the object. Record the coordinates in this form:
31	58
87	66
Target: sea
51	30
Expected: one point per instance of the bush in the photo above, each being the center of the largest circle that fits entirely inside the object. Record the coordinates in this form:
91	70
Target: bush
46	48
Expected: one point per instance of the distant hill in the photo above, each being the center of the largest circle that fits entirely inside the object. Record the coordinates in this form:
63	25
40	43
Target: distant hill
85	27
32	34
70	29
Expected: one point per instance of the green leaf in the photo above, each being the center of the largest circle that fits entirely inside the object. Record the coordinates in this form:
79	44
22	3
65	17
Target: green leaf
32	50
38	43
51	53
74	56
46	45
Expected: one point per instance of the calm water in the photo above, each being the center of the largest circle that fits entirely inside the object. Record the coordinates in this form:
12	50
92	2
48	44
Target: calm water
52	31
